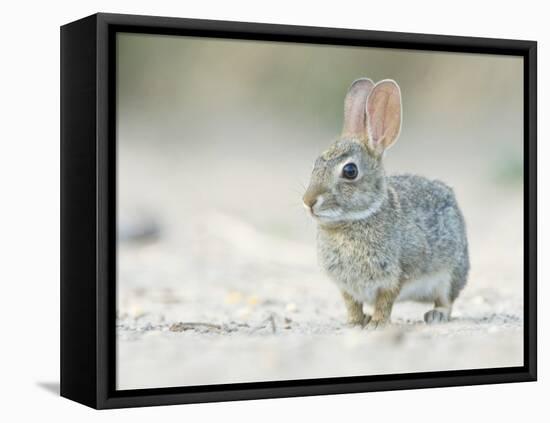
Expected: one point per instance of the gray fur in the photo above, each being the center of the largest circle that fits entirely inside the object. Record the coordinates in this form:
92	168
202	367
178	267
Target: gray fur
378	234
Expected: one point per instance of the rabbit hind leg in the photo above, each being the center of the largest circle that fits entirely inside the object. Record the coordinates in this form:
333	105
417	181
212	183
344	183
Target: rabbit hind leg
443	305
440	313
448	293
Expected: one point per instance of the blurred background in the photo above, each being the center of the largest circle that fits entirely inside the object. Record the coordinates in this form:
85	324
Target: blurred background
217	275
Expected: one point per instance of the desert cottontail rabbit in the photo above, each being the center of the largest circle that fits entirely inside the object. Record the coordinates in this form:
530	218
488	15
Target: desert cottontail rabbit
384	238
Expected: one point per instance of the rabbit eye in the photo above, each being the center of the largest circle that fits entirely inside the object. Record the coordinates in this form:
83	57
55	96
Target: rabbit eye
349	171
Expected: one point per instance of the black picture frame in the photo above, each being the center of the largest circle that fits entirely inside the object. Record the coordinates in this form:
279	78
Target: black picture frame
88	218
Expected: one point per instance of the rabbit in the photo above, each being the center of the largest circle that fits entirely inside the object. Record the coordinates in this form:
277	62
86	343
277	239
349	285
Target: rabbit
383	238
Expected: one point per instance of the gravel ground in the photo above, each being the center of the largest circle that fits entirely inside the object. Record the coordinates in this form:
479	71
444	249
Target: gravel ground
234	304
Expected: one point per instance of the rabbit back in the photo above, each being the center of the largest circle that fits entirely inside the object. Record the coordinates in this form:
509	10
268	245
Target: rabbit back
433	241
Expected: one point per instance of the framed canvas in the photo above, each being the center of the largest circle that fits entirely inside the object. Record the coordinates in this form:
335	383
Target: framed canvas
234	224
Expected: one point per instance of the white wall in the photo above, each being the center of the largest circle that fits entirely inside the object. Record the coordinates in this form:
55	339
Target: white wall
30	213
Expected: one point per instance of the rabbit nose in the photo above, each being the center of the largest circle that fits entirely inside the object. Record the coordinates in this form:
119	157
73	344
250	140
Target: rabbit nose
310	203
310	199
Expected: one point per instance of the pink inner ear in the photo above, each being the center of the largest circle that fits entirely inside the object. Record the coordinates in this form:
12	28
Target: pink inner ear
384	114
354	108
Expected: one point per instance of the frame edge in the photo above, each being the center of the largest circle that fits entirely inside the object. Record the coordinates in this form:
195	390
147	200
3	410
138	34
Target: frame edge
104	397
78	358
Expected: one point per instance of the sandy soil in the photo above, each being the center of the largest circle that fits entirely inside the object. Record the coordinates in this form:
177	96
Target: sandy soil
230	295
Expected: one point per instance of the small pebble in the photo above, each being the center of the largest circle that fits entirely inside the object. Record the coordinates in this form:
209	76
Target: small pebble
234	297
292	307
243	312
478	300
252	300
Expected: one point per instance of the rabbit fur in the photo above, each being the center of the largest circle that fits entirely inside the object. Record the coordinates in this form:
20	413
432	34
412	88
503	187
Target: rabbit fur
383	238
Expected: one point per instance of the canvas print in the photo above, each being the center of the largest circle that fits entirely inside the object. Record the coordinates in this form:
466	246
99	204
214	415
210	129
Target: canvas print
293	211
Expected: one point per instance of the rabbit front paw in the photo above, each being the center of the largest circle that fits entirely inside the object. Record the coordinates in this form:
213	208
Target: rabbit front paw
374	323
359	320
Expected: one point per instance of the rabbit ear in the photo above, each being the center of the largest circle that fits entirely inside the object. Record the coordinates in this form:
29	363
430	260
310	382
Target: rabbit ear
354	108
383	115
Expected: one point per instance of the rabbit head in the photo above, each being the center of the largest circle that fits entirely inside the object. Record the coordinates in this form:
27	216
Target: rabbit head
348	182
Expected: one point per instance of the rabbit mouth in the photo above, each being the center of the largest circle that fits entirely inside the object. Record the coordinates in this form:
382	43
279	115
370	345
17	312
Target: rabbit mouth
309	209
322	215
338	215
331	214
